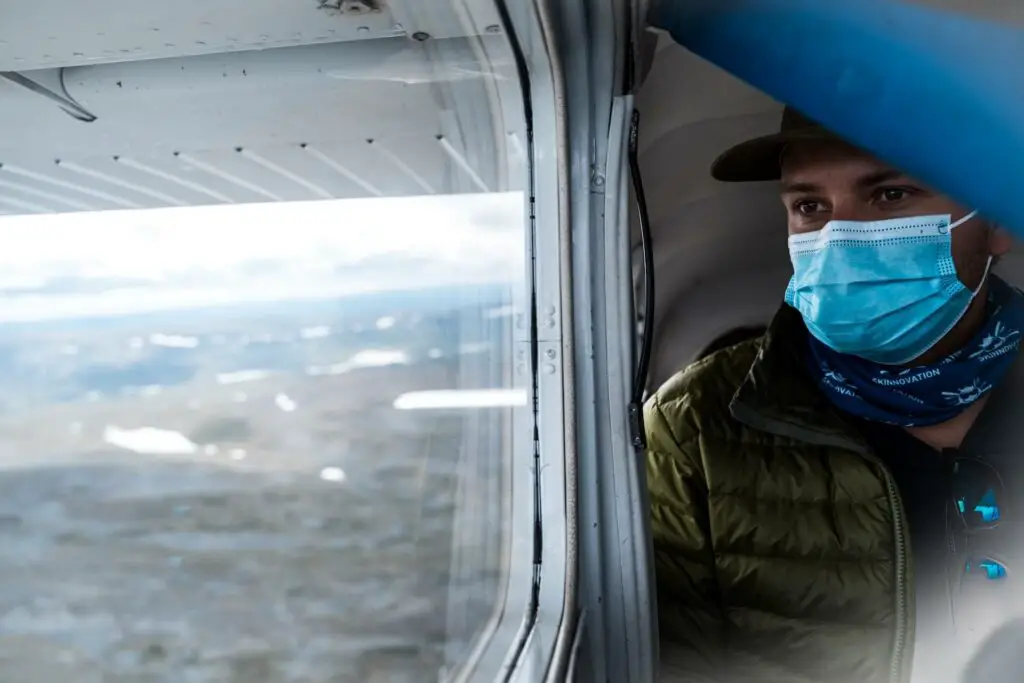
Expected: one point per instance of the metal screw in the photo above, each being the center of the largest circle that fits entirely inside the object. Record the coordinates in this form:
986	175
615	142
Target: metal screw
420	36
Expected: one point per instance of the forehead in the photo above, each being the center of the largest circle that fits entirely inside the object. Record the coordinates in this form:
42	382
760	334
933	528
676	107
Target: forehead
828	163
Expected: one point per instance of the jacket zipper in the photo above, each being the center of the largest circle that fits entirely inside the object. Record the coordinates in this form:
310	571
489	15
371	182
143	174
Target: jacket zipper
900	640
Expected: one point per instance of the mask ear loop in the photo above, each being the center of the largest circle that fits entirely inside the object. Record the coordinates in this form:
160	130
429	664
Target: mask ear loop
988	264
963	220
984	276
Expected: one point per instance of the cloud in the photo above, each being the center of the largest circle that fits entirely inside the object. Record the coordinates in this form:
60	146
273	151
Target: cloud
119	262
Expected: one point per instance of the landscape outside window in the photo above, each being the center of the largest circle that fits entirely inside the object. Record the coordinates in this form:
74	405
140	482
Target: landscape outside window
232	437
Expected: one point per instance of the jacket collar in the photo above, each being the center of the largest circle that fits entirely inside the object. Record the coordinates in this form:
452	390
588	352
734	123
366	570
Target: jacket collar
998	425
779	396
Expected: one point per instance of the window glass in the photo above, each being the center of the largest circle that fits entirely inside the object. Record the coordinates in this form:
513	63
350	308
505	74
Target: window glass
235	452
268	442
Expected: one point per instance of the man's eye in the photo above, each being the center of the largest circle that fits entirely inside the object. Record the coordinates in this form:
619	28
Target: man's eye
892	194
807	207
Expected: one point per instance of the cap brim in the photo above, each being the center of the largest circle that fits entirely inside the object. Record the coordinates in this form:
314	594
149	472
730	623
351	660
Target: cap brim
760	159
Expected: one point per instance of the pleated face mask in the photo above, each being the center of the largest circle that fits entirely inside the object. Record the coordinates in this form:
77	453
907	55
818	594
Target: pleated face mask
885	291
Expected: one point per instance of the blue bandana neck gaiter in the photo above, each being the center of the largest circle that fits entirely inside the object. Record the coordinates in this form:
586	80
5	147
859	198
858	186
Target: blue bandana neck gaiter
926	394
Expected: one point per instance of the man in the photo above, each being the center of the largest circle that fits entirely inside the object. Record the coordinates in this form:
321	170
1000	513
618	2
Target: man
828	501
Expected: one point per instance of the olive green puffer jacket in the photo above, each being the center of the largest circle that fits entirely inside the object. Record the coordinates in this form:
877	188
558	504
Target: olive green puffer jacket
780	546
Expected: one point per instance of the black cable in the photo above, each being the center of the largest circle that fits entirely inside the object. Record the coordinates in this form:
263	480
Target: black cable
62	99
646	341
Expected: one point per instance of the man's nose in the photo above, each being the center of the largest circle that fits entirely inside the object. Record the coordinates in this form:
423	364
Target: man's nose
851	209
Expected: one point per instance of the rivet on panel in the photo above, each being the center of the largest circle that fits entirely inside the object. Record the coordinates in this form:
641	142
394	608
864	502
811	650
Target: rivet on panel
421	36
549	369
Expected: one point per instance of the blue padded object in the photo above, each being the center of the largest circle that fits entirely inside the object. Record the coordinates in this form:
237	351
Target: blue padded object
992	570
937	94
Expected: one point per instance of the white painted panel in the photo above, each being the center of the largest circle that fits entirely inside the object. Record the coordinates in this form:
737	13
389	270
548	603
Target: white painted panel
38	35
304	94
308	122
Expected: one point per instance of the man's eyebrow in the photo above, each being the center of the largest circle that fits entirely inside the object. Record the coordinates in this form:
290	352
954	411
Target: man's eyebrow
800	188
865	181
879	177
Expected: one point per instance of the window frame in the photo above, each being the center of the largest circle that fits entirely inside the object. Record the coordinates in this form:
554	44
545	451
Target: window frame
609	627
519	640
586	607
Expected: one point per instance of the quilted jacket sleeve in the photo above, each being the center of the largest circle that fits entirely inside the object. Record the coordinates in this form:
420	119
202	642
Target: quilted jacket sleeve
692	622
689	614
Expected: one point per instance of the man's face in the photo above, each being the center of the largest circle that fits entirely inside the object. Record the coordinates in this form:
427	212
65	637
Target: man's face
824	181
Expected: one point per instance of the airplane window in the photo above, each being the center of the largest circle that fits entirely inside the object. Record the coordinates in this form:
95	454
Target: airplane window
247	440
235	452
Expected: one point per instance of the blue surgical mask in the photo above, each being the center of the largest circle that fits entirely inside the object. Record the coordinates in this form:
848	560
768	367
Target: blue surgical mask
886	291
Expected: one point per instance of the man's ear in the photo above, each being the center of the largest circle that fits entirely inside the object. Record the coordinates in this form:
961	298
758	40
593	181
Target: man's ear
1000	241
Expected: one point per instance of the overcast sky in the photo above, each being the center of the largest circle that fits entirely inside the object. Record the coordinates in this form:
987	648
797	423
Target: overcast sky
112	262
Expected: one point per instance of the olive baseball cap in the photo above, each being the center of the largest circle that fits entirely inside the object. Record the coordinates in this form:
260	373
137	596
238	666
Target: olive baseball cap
760	159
